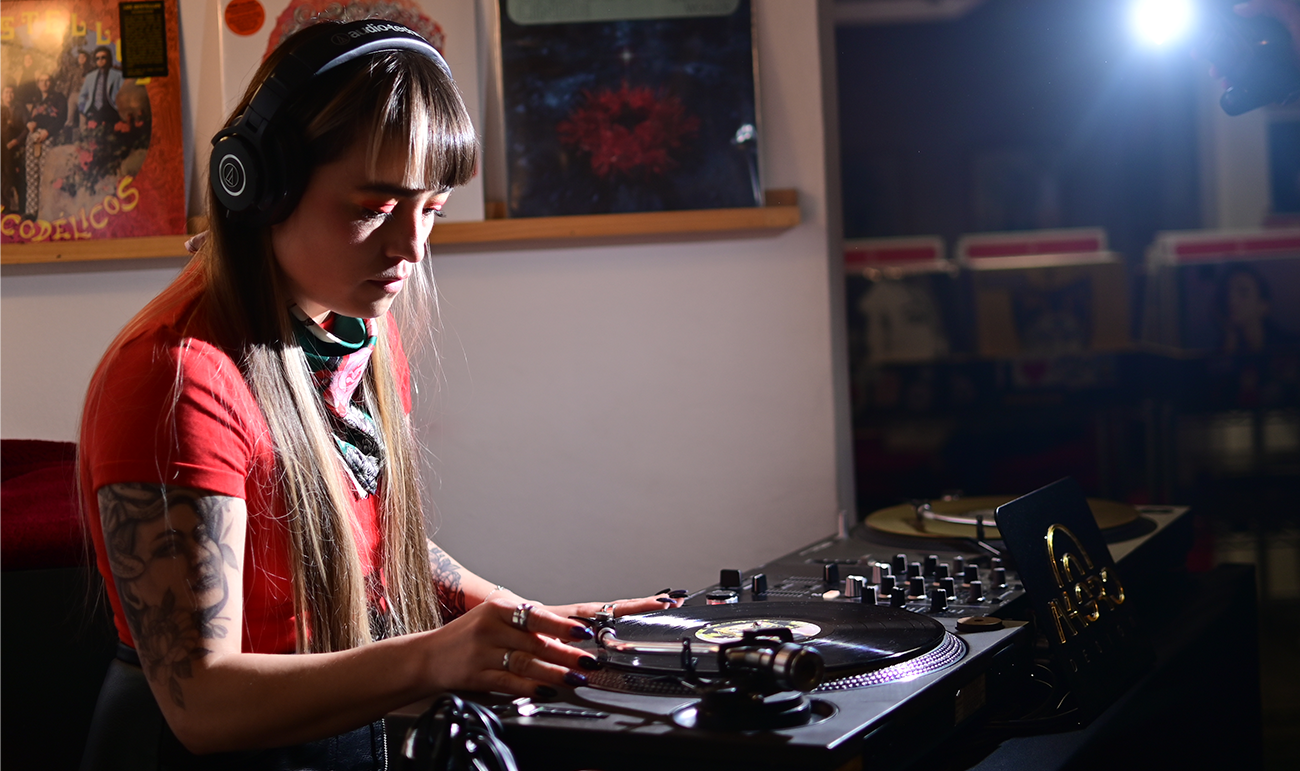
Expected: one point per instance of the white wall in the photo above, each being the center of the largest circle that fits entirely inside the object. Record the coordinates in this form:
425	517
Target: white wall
611	420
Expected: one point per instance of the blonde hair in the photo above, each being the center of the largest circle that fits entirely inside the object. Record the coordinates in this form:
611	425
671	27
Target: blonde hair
395	102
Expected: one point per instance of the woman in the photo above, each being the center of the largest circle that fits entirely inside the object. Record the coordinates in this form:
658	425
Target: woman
247	462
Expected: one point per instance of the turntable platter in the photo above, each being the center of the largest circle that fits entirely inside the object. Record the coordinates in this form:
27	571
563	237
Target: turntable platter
851	637
957	518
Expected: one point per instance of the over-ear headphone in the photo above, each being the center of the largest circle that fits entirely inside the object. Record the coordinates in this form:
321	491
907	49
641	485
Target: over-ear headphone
257	169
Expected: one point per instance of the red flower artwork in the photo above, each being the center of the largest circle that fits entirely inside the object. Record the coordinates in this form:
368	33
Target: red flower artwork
629	131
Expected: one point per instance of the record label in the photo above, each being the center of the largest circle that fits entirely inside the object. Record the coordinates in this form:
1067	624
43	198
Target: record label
731	631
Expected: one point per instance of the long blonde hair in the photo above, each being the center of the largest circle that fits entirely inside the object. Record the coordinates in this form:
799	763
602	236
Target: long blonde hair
395	102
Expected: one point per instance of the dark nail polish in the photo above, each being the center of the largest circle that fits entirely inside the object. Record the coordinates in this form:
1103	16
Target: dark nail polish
665	600
574	679
678	594
581	633
545	692
664	591
590	663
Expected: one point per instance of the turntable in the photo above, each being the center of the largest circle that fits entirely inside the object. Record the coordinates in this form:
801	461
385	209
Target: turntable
912	633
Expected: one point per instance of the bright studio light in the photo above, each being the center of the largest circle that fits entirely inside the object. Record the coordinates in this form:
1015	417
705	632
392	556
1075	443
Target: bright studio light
1157	22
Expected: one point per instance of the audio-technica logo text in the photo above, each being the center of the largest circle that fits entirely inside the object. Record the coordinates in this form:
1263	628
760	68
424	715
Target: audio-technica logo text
375	28
231	172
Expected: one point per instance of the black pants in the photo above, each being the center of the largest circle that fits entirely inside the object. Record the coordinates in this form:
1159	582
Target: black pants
128	733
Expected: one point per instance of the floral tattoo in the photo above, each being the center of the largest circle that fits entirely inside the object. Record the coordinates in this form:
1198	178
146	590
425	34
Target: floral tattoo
446	579
161	543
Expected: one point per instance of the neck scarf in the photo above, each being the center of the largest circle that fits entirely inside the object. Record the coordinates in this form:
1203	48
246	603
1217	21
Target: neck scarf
338	359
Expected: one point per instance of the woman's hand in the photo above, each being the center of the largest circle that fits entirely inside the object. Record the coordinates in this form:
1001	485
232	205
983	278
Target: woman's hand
666	599
488	649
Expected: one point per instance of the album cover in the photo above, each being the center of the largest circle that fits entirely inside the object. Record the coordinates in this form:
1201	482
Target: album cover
628	106
1233	292
1048	311
92	120
251	29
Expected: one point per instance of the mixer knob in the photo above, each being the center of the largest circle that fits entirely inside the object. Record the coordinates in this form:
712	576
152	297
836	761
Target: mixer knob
758	584
941	572
869	595
898	597
972	573
949	586
900	564
722	597
1000	578
931	564
879	571
938	601
976	592
853	586
729	579
916	587
996	563
958	565
887	585
831	574
914	570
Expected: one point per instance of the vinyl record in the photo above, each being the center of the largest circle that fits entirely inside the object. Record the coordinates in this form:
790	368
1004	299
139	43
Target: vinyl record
957	518
850	637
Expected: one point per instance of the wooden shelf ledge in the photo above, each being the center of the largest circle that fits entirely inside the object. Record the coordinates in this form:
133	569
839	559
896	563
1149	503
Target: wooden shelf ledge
781	213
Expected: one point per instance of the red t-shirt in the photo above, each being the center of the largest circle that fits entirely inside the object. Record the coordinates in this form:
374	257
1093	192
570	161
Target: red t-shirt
215	439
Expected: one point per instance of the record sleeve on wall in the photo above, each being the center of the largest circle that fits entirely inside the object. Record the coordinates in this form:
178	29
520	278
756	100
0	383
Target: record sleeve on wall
626	106
251	29
92	145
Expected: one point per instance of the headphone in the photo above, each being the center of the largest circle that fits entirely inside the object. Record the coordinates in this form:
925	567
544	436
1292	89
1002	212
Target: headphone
257	169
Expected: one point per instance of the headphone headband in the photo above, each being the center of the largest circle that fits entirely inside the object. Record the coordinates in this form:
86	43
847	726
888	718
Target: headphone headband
249	173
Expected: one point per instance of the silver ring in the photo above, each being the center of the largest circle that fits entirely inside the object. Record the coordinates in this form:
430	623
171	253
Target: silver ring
609	608
519	620
505	660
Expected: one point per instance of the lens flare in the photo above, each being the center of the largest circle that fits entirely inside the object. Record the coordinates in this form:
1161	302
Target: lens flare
1157	22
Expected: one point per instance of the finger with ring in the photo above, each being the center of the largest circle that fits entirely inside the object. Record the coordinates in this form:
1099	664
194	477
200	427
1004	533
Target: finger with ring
609	608
505	660
519	620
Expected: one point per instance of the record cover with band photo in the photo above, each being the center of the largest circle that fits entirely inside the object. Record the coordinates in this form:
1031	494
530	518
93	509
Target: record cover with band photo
92	120
251	29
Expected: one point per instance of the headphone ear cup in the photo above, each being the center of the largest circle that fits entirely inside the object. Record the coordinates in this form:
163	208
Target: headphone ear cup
235	173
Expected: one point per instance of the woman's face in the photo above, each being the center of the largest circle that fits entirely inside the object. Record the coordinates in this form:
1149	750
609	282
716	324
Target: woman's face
354	238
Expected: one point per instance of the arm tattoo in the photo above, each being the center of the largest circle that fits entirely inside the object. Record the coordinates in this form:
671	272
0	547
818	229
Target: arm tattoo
446	579
164	542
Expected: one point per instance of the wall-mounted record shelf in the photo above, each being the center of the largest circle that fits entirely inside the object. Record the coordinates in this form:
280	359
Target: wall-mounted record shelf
781	213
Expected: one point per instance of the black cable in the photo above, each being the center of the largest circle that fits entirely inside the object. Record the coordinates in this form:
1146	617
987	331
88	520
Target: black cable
456	735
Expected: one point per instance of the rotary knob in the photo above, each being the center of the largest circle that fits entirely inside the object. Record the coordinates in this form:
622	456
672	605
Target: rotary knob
958	565
729	579
972	573
898	597
853	586
887	585
899	564
941	572
938	601
913	569
949	586
931	564
916	588
758	584
869	595
1000	578
831	574
976	594
879	571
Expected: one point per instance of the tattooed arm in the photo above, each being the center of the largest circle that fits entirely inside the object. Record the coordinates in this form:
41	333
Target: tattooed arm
458	588
177	558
